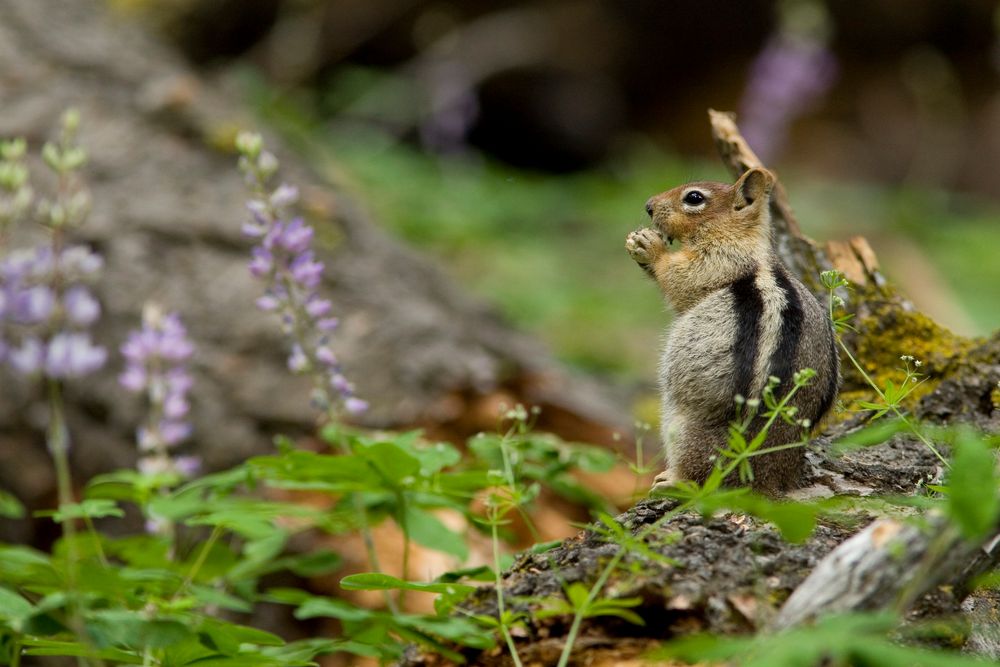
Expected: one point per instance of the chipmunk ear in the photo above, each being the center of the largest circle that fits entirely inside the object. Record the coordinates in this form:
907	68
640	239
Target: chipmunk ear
756	184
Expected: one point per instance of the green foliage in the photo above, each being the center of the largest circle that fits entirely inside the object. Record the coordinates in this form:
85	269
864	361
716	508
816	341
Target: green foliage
579	602
153	598
10	507
853	639
973	491
543	458
375	581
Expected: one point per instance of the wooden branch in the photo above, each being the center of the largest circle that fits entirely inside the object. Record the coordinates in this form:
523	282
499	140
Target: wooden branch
737	155
854	258
888	565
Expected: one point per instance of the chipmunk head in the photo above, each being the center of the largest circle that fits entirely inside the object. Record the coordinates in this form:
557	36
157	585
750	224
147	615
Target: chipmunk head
709	212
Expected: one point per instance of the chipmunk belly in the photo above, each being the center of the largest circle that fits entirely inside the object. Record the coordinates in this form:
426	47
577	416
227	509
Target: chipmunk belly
696	370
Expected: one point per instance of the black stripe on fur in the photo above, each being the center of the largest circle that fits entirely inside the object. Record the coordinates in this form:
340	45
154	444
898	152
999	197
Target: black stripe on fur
782	362
749	305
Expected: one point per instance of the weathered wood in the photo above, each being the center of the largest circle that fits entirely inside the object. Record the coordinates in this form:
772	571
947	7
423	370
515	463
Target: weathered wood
797	251
855	257
888	565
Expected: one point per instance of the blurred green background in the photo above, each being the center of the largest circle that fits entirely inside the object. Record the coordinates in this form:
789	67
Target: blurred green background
518	141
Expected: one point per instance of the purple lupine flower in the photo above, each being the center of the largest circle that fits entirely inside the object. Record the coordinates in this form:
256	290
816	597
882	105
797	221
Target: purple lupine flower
283	258
42	338
28	358
790	75
33	305
73	355
155	364
79	262
81	307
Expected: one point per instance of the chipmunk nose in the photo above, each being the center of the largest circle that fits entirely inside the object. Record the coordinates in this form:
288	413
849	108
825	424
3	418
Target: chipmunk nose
649	206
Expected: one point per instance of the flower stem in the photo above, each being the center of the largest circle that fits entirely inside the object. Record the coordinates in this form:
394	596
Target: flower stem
500	604
57	440
892	406
574	628
200	560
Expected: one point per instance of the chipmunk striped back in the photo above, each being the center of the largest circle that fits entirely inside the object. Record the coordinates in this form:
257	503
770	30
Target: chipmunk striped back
742	317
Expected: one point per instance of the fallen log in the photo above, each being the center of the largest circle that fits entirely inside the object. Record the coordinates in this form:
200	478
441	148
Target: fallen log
732	574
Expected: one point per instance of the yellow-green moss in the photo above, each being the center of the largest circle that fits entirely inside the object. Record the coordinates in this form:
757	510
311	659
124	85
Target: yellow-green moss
886	331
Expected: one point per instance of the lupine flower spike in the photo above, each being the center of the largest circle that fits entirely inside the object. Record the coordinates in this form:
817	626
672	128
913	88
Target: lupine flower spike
156	357
283	259
792	72
46	306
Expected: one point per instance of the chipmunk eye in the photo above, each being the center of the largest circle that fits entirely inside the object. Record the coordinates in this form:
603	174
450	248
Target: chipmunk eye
694	198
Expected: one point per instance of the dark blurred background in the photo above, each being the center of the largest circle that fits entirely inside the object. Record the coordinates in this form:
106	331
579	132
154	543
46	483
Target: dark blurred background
516	139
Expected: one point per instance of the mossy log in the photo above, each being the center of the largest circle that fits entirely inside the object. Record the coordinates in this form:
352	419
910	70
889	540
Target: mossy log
733	574
886	323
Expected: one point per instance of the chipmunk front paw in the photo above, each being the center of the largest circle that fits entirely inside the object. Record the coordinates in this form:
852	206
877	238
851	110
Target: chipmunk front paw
644	246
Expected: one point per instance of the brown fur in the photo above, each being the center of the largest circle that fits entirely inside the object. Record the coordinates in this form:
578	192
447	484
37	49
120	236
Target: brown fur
725	269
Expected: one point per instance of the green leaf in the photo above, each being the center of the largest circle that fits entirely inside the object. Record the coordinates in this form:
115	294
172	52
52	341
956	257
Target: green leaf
210	596
299	469
42	646
304	650
426	529
849	639
395	465
973	500
452	628
129	485
229	637
542	547
795	520
436	457
619	607
94	508
316	606
120	627
52	156
10	507
374	581
178	505
702	648
140	551
594	459
23	565
465	482
312	564
14	609
875	434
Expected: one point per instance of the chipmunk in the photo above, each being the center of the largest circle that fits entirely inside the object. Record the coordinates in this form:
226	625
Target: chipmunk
741	317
